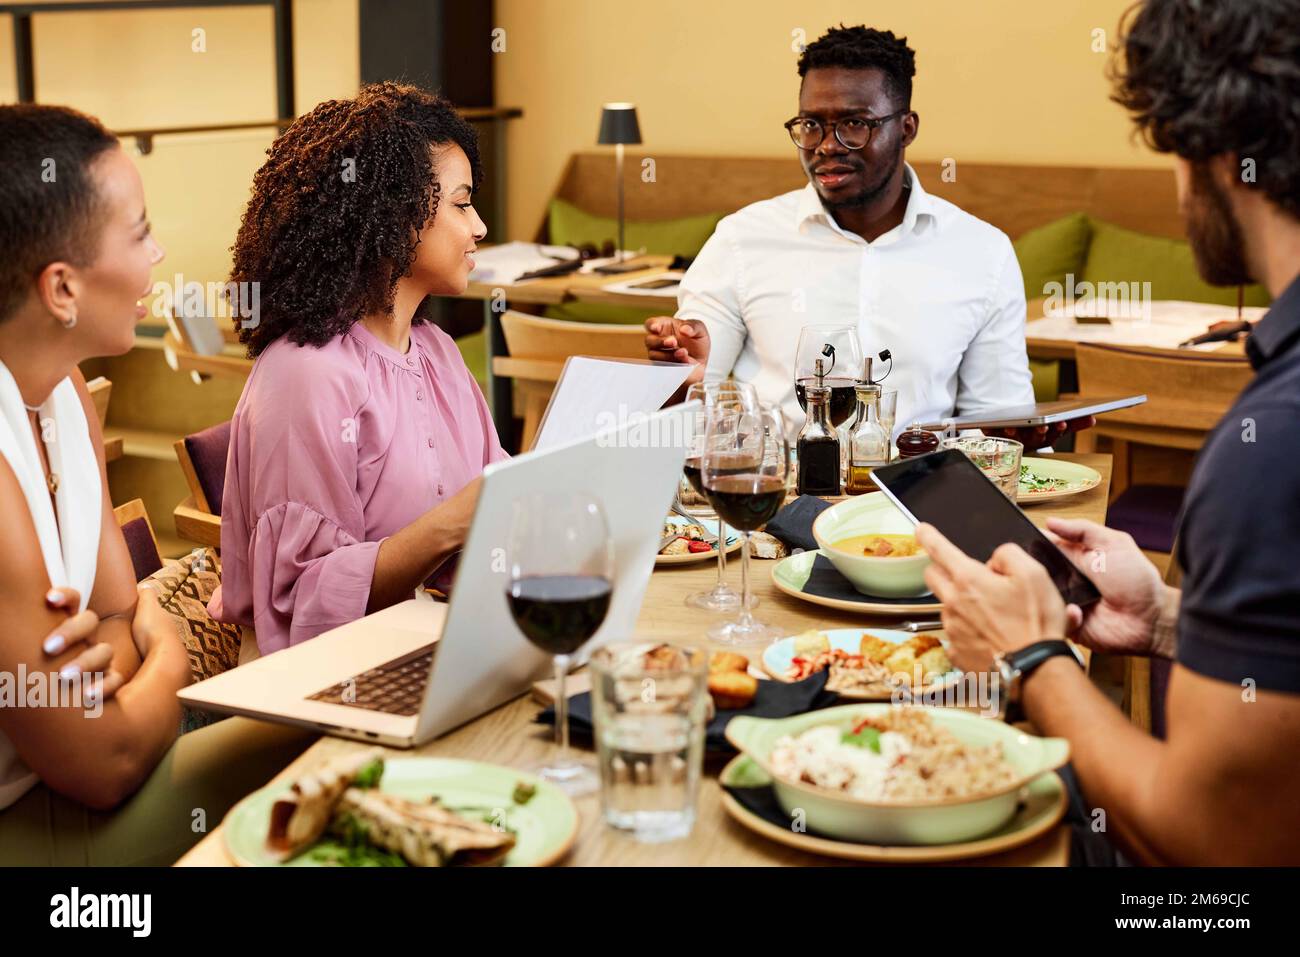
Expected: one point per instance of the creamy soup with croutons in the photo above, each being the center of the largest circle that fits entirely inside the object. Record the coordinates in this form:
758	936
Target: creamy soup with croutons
879	545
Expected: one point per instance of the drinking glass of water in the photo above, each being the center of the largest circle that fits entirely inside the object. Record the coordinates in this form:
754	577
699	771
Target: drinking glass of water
998	459
648	704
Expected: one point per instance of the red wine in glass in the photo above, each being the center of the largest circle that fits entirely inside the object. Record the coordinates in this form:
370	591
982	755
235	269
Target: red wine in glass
692	471
747	502
843	400
558	613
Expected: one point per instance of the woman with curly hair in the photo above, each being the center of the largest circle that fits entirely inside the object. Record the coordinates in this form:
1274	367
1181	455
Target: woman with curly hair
357	446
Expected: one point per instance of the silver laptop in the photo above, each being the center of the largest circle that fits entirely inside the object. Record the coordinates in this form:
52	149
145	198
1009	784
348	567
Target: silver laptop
414	671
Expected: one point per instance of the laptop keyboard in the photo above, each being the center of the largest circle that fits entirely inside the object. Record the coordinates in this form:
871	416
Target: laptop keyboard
395	687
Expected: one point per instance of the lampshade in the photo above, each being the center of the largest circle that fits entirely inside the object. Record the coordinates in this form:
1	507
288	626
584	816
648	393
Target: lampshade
618	124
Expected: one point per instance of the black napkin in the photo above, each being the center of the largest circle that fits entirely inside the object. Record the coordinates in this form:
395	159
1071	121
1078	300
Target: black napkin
760	801
775	699
826	581
793	524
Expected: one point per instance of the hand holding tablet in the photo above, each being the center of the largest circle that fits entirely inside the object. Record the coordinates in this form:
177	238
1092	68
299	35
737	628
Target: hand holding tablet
946	490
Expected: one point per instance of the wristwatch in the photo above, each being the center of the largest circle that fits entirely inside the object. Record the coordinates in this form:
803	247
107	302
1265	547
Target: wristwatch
1014	666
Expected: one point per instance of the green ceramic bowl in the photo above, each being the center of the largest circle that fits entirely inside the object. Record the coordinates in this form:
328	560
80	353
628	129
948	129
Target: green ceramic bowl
871	515
941	822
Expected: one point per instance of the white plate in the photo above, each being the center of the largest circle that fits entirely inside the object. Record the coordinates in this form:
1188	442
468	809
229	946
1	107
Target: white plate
733	543
779	656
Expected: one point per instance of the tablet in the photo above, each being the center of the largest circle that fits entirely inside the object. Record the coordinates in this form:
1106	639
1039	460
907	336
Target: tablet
949	491
1034	414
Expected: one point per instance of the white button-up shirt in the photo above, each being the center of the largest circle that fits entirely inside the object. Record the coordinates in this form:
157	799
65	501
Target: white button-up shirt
942	291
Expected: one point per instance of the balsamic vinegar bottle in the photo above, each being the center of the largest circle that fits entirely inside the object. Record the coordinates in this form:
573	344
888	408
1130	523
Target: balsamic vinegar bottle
819	446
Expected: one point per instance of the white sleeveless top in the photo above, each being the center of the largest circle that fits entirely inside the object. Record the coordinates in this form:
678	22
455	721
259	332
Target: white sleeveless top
70	559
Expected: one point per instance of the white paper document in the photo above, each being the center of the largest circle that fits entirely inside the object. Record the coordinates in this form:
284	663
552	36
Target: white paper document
660	284
506	262
596	395
1168	323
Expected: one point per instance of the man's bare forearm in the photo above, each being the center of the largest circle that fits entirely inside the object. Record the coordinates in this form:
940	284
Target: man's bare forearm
1114	761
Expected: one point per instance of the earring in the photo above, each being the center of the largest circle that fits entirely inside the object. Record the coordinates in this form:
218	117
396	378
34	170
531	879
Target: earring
69	322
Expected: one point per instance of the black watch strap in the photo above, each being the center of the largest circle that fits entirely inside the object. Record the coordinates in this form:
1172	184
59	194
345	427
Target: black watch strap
1030	657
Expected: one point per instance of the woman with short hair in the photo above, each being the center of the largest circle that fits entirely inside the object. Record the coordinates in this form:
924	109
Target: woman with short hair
89	667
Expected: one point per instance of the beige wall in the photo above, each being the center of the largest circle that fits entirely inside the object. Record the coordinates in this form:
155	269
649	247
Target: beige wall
997	80
140	69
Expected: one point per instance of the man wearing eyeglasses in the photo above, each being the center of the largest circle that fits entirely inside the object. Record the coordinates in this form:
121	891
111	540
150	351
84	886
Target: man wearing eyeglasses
863	245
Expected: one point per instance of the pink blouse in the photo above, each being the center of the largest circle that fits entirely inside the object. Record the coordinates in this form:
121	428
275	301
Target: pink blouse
332	449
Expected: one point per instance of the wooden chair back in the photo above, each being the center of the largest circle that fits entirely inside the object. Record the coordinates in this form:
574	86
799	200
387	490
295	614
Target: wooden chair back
538	348
535	337
1187	392
141	541
100	390
1013	198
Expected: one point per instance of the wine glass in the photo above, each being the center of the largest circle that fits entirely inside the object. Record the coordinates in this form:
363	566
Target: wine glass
745	466
841	354
561	560
740	395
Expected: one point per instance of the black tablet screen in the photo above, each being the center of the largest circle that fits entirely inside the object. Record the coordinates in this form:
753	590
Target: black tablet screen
949	492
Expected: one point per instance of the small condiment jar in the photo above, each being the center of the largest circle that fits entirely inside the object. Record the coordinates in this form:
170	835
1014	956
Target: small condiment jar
916	441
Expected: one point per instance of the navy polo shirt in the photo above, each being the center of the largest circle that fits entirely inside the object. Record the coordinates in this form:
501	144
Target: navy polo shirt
1239	542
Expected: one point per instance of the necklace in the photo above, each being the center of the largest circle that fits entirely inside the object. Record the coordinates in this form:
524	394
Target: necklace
51	480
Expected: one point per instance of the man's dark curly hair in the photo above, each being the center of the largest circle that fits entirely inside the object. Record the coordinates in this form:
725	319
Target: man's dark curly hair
1206	77
337	208
862	48
49	203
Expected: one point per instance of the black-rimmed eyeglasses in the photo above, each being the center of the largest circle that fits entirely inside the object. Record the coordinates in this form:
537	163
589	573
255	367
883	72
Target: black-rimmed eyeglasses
852	132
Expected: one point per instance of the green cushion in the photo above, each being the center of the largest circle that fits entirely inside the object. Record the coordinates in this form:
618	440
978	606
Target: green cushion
1121	255
473	349
1048	253
597	312
567	225
1047	379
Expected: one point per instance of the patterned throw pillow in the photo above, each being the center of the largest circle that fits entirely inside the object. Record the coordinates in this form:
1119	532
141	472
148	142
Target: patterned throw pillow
184	587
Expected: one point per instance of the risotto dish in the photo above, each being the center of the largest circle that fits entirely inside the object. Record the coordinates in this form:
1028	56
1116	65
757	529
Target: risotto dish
901	756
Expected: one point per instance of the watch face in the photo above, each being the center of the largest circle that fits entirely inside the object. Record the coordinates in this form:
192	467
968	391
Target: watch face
1008	683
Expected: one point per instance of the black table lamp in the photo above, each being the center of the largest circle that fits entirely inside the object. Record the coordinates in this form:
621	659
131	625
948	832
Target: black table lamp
618	127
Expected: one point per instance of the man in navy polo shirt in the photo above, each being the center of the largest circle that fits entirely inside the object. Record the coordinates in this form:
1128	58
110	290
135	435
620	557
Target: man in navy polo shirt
1217	84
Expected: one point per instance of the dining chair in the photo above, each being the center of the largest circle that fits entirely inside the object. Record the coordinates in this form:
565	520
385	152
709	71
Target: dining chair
100	389
202	458
196	345
1187	394
537	349
140	539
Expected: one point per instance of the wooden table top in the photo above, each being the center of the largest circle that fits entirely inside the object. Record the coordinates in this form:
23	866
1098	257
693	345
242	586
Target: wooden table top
509	736
579	287
1052	348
